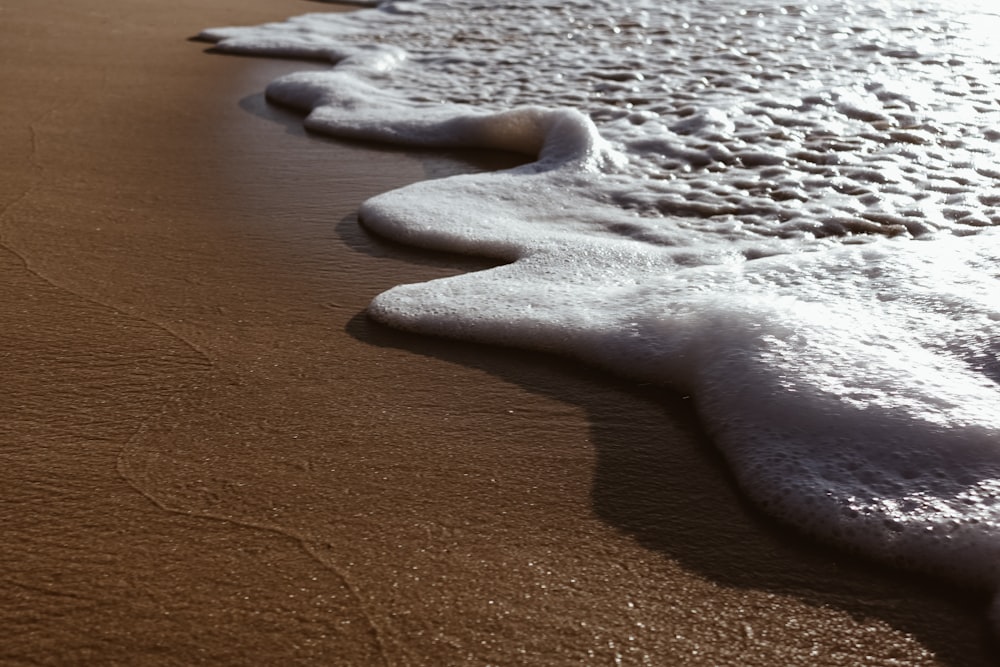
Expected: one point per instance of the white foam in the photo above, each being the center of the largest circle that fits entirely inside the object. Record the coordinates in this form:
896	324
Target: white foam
754	211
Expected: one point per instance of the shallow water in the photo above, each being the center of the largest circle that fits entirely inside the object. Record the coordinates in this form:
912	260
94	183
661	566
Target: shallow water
788	212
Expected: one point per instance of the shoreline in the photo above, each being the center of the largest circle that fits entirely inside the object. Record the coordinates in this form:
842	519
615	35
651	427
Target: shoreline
213	456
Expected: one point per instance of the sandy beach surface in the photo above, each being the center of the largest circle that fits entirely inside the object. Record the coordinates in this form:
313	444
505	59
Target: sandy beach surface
210	456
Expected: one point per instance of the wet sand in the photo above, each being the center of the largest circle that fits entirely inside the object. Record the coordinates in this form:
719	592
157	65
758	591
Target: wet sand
211	456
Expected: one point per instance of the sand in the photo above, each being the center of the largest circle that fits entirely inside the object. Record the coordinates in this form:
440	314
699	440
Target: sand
209	455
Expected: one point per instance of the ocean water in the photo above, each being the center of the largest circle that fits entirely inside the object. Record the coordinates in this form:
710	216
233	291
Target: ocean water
788	211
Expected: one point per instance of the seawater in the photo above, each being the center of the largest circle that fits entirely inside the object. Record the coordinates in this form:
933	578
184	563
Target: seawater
789	211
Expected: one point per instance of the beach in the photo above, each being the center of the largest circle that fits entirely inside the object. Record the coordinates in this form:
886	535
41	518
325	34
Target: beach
211	456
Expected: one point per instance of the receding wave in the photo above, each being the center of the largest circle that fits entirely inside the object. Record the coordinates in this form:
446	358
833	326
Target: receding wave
787	211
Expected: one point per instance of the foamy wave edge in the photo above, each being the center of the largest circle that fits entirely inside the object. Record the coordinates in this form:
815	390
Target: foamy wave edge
345	103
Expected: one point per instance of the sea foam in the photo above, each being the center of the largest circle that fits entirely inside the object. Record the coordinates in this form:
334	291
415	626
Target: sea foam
788	212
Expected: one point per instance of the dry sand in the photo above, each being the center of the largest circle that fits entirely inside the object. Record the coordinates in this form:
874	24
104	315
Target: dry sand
211	456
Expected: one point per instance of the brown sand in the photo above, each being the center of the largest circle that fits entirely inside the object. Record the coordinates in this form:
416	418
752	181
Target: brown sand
209	455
